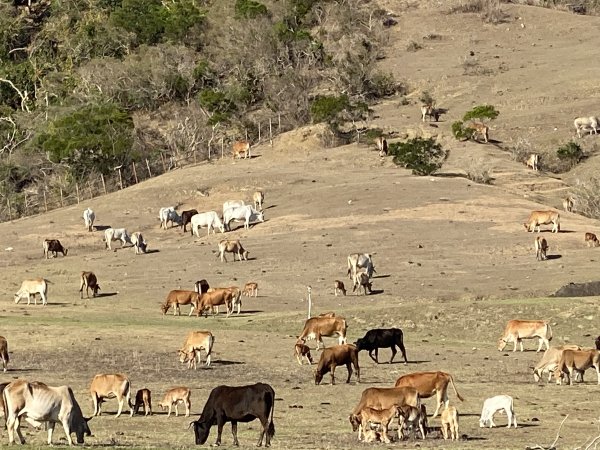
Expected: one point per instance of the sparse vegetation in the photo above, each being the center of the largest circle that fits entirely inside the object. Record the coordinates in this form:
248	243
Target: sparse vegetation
422	156
571	153
479	172
489	10
461	129
413	46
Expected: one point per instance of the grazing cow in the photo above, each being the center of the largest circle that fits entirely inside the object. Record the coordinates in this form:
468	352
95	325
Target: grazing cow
533	161
537	218
580	360
110	385
236	299
250	289
479	129
258	198
361	279
586	124
382	146
176	298
194	342
143	398
413	417
377	417
339	286
429	111
237	404
541	248
494	404
39	403
202	286
168	214
232	204
240	148
88	218
210	220
517	330
592	240
550	361
450	423
317	327
88	281
214	298
382	398
360	261
4	353
244	213
301	350
338	355
232	246
428	384
174	396
186	217
382	338
116	234
32	287
139	244
54	246
568	204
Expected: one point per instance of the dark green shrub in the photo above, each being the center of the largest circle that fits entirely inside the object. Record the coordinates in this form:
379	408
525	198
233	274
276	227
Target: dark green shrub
422	156
462	132
328	108
249	9
481	112
145	18
570	152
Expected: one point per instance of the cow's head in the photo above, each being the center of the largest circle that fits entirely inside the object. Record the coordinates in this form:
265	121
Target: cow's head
359	344
184	356
96	289
201	431
82	429
65	251
501	344
318	376
245	254
355	421
260	216
526	225
164	308
17	298
536	375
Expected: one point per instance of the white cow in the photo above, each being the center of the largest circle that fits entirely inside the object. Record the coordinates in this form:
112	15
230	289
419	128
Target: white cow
168	214
209	220
139	243
495	404
116	234
232	204
360	261
32	287
245	213
88	218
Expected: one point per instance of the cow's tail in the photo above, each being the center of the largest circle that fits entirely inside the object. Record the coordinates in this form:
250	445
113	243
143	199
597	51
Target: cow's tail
271	428
127	392
5	398
455	391
548	331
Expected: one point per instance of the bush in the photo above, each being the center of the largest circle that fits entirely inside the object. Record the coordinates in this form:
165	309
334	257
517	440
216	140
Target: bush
328	108
249	9
481	112
426	98
422	156
570	152
462	132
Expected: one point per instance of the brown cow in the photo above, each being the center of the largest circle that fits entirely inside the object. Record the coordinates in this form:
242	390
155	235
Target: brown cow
143	397
250	289
177	297
580	360
4	352
241	148
110	386
338	355
214	298
338	286
233	246
592	240
317	327
174	396
517	330
381	417
194	342
88	281
428	384
550	360
302	350
537	218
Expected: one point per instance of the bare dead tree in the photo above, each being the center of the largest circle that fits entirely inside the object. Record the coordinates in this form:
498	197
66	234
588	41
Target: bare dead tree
22	94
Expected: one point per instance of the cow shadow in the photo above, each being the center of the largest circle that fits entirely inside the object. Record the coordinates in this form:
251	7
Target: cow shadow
376	292
224	362
101	227
248	311
550	257
154	250
417	362
104	294
269	207
381	276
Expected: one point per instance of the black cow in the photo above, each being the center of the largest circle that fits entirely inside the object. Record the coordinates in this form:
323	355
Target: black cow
186	217
202	286
597	341
237	404
382	338
54	246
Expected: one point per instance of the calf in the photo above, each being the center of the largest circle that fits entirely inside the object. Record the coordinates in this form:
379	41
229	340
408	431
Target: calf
479	128
381	417
88	218
429	111
382	338
143	398
302	350
4	353
240	148
494	404
338	355
338	286
533	161
580	360
194	342
88	281
450	423
258	198
186	217
250	289
517	330
568	204
361	279
541	248
112	385
235	247
54	246
174	396
592	240
415	417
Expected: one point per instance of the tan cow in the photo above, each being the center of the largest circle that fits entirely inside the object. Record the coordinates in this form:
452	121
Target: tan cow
541	248
537	218
381	417
88	281
382	146
317	327
479	128
4	352
302	350
250	289
450	423
232	246
568	204
174	396
428	384
382	398
213	299
194	342
550	360
533	161
176	298
143	398
413	416
517	330
240	148
592	240
112	385
32	287
580	360
258	198
337	355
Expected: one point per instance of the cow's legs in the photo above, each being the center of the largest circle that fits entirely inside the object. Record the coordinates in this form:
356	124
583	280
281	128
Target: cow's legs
187	408
540	343
234	433
121	400
393	348
50	426
520	343
176	410
571	376
440	401
220	424
333	366
349	367
509	416
445	428
96	406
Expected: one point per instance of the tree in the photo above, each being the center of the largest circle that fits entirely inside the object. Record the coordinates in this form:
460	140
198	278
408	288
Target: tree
422	156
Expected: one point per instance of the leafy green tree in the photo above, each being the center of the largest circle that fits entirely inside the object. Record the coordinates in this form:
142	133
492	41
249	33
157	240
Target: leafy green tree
422	156
481	112
570	152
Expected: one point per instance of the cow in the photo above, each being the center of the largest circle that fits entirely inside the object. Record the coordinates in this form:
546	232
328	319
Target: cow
39	403
568	204
177	297
517	330
338	355
168	214
430	111
88	219
116	234
250	289
258	198
580	360
339	286
533	161
550	360
381	417
494	404
32	287
413	416
88	281
139	244
4	353
301	350
244	213
210	220
232	204
112	385
202	286
592	240
360	261
479	129
194	342
382	146
54	246
143	398
232	246
237	404
173	397
382	338
586	123
382	398
317	327
541	248
449	420
428	384
214	298
240	148
186	217
537	218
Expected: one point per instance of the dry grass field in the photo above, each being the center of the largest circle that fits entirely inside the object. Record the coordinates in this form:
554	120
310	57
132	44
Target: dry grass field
452	258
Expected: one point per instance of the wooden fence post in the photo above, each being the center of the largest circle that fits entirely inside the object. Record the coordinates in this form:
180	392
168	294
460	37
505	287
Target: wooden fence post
77	191
222	148
258	131
278	122
148	167
62	203
9	209
120	179
162	158
45	201
103	184
26	205
270	133
134	172
90	188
